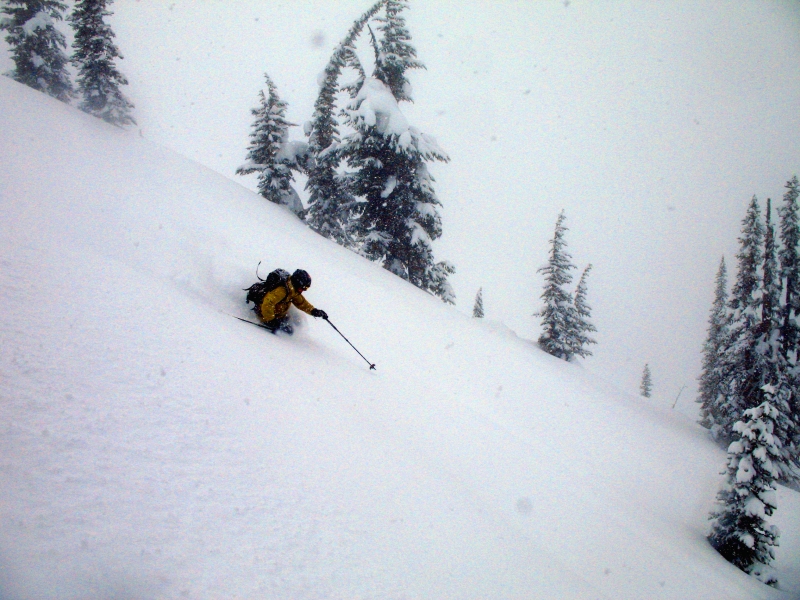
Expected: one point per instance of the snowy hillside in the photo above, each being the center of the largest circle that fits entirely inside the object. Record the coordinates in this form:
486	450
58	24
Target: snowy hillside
154	447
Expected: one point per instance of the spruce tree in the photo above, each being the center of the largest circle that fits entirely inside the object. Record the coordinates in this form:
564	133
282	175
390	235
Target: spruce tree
477	310
770	284
739	528
743	366
755	370
778	369
330	203
759	389
558	314
790	270
396	55
779	394
389	158
646	386
790	317
711	392
583	326
98	78
271	154
37	47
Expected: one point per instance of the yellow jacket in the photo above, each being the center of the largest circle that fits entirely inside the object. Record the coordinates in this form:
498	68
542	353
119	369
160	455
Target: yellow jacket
276	303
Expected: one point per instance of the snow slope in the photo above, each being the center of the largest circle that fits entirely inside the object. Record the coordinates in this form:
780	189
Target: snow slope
154	447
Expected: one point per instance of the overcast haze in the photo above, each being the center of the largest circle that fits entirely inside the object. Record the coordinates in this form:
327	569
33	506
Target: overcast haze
651	124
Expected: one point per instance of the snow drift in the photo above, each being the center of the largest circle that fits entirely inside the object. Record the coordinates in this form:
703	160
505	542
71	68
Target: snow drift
155	447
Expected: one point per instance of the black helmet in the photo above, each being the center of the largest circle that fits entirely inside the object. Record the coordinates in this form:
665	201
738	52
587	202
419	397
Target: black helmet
301	279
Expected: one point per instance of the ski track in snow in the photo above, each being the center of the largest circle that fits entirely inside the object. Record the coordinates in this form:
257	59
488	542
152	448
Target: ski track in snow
155	447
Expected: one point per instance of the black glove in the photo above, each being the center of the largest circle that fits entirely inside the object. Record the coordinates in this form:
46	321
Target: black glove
319	313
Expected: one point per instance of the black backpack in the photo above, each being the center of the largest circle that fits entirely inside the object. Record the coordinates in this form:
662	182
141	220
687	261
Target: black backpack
257	291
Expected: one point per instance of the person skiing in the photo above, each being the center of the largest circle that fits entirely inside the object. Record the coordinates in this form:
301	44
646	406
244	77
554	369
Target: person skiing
274	308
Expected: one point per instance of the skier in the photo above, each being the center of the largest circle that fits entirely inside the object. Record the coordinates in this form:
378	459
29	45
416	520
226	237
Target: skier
274	309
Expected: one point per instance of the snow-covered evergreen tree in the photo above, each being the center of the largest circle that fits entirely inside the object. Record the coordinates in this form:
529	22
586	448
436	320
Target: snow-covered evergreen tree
400	217
580	337
779	394
778	370
743	367
739	528
790	270
790	317
389	159
330	203
770	284
95	52
396	55
559	317
646	386
711	377
37	46
271	154
477	310
754	369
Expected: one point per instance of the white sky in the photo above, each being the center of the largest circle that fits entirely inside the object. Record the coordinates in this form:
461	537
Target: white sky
651	124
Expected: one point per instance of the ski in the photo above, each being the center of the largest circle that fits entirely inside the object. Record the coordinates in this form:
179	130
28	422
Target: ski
251	322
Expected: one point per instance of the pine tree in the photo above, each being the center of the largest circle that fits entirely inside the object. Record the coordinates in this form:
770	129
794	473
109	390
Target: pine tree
790	271
771	283
271	154
778	370
477	310
558	314
399	218
779	394
739	529
754	368
583	312
646	387
396	55
98	78
711	393
759	385
37	47
743	366
790	317
330	203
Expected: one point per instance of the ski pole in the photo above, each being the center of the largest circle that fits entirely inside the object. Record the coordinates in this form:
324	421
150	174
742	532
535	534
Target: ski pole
371	365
